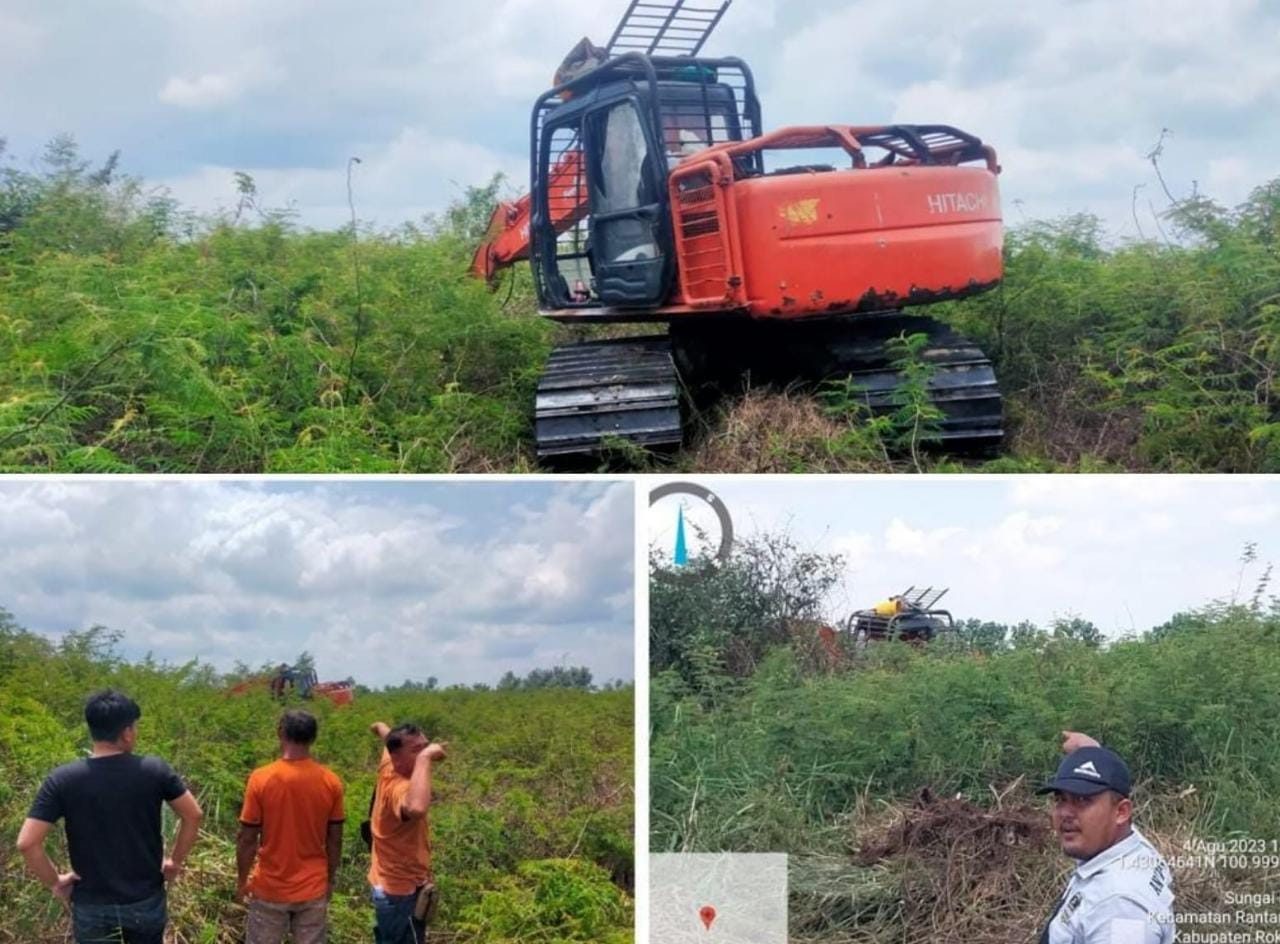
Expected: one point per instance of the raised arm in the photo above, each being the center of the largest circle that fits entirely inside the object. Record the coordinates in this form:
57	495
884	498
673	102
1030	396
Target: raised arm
417	800
189	814
380	730
31	844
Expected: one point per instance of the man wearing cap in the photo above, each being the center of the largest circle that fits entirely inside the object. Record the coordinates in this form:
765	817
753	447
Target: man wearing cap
1122	890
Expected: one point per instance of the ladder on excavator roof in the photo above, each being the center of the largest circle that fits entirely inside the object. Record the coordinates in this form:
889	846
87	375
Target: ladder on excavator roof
669	28
921	596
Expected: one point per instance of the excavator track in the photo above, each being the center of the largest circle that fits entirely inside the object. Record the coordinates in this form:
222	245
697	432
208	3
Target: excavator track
620	389
961	381
628	389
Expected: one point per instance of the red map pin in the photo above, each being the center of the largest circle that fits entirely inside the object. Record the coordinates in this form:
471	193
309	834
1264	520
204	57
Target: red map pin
708	915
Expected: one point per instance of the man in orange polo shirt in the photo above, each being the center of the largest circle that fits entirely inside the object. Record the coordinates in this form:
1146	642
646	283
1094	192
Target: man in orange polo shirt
292	824
401	862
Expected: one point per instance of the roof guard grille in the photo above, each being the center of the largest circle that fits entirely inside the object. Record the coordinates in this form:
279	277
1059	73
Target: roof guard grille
671	28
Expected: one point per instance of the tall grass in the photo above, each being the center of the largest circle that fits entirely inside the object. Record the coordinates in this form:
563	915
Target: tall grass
135	335
1153	354
1200	708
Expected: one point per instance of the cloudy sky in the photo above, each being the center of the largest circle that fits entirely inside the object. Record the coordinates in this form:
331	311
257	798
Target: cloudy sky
379	580
1125	552
435	95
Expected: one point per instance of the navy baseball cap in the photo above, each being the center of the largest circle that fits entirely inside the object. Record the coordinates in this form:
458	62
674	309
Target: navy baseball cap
1088	771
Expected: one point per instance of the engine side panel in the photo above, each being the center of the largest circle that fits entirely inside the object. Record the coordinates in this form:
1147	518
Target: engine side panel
867	239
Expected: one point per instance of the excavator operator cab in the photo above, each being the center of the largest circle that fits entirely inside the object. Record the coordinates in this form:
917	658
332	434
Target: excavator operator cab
603	146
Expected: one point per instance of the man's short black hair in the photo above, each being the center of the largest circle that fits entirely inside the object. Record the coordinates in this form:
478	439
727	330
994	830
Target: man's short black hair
298	727
108	713
399	734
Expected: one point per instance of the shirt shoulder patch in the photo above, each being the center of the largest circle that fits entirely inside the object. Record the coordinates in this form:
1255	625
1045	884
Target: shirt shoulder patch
1069	908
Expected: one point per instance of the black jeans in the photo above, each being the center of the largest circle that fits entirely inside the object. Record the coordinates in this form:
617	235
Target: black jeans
141	922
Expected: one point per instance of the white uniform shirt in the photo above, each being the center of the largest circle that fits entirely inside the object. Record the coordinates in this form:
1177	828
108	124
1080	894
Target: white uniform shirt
1123	895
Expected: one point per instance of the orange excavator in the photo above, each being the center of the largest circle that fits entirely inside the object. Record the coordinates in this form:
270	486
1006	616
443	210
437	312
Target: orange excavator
656	198
300	679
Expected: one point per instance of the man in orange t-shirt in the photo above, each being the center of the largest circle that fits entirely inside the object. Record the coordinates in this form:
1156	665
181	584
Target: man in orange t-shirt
401	862
292	824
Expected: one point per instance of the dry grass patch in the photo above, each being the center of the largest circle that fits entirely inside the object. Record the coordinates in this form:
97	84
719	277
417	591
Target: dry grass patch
766	431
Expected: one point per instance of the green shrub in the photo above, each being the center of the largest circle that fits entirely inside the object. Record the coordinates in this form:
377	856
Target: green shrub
553	900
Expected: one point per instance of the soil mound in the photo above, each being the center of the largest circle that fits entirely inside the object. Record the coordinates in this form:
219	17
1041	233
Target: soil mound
967	873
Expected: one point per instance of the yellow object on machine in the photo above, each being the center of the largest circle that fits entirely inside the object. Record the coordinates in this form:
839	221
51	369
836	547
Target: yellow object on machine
889	607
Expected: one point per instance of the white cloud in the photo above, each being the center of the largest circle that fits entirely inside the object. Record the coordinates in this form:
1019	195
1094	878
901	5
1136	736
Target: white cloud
1262	513
164	639
211	89
403	580
856	547
417	172
901	538
1024	540
1231	179
1121	551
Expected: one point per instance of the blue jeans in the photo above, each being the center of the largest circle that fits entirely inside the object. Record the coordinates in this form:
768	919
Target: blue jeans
395	923
139	923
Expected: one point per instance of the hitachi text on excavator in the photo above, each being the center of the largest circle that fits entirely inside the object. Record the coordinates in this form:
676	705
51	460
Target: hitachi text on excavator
655	199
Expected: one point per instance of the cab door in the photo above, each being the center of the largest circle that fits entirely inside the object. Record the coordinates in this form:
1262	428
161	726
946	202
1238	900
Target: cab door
626	175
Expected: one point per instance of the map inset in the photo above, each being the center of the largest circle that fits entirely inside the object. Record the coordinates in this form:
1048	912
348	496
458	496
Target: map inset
720	898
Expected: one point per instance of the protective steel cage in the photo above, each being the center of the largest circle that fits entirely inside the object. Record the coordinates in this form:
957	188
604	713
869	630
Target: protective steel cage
926	144
692	103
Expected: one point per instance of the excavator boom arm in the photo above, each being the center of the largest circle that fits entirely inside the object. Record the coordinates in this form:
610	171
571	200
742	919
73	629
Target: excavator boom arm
508	237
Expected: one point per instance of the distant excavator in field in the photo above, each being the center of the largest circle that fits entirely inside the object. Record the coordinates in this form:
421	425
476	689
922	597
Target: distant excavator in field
912	616
298	678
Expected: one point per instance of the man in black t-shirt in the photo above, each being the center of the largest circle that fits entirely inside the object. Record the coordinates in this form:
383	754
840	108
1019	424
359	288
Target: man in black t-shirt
111	804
